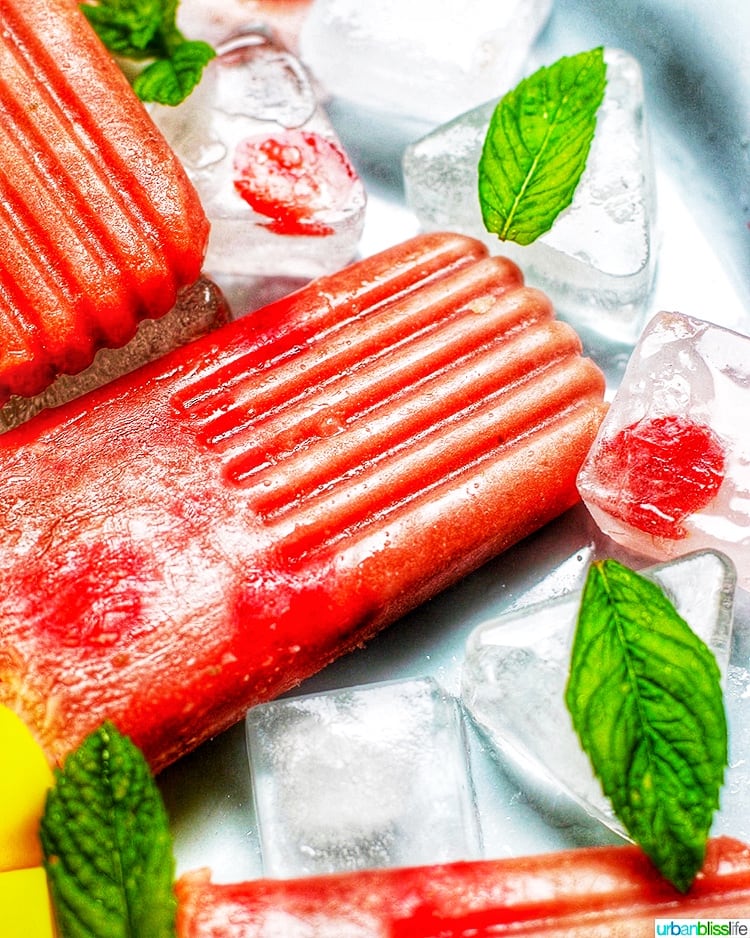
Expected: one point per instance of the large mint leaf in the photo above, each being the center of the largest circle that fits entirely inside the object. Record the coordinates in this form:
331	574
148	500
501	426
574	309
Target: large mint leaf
126	27
107	846
170	80
147	29
537	145
645	696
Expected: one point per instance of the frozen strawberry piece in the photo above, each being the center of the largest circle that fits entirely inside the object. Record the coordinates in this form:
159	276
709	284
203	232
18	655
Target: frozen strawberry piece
208	532
667	474
282	196
592	892
299	180
666	468
100	226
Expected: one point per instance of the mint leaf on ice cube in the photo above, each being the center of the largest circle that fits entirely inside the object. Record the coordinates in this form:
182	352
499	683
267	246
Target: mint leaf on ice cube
537	145
107	845
645	696
128	28
170	80
147	29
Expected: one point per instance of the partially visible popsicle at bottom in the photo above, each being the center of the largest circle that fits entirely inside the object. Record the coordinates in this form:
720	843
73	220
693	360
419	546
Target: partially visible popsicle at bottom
584	893
206	533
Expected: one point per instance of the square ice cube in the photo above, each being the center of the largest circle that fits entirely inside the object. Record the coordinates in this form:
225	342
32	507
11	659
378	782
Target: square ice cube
280	192
669	471
598	259
424	59
516	668
371	776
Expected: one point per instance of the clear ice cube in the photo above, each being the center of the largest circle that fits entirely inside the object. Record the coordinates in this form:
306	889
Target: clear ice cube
516	668
733	817
200	308
369	776
281	194
669	471
598	259
424	59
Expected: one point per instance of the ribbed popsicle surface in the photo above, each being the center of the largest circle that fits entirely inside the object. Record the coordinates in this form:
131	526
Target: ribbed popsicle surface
206	533
336	432
99	226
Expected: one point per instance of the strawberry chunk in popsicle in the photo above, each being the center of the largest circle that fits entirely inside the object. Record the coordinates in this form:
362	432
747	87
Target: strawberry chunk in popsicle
208	532
591	892
99	226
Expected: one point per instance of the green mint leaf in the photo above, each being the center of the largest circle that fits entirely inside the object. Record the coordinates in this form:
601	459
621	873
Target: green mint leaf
170	80
128	28
147	29
107	845
537	145
645	696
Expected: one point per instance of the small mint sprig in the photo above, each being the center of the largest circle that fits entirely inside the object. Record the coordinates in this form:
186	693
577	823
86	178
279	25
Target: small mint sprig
147	29
107	845
645	696
537	145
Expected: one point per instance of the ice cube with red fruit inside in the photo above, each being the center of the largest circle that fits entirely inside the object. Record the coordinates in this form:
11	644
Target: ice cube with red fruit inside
669	472
282	195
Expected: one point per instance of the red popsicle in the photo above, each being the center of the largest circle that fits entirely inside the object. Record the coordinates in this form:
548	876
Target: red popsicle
99	226
208	532
596	892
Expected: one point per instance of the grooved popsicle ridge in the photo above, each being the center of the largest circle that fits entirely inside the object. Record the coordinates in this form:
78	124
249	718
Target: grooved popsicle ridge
384	334
42	95
285	328
35	264
312	514
100	225
401	391
49	136
18	330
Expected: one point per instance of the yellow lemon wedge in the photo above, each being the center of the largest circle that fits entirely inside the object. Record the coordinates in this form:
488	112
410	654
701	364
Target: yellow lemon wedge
25	908
24	781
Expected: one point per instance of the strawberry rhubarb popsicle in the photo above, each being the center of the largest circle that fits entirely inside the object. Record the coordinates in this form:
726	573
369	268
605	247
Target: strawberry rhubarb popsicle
584	893
99	226
204	534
